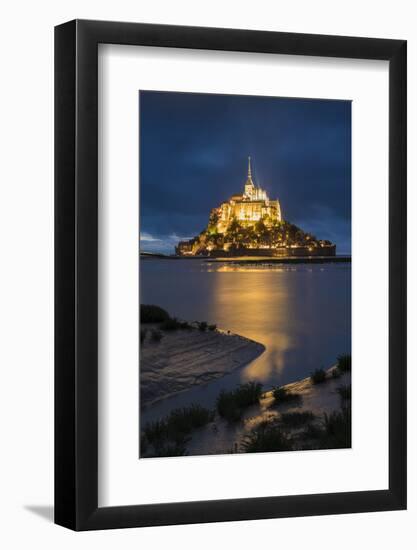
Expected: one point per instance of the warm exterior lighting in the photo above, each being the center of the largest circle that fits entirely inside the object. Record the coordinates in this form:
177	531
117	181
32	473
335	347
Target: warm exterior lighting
252	222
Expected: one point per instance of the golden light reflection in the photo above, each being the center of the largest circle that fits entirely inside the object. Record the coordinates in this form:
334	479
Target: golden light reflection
256	309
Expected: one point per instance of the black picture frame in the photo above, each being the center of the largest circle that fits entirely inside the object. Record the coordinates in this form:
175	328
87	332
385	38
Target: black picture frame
76	272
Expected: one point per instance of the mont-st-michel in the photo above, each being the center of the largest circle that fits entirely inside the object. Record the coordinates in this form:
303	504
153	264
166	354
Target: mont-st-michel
252	224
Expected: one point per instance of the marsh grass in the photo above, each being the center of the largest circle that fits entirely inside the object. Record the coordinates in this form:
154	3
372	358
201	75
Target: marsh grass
231	404
155	431
266	438
152	314
344	363
283	395
296	419
170	324
175	324
318	376
157	315
176	427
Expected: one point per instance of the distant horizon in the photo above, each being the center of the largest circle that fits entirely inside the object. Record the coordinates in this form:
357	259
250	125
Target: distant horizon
194	149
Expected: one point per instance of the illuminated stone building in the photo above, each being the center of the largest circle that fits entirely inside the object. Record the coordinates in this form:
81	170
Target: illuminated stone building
251	224
248	208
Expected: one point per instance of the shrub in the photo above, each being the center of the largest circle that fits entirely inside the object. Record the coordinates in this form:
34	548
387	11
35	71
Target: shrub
156	335
318	376
143	332
344	363
345	392
152	314
212	327
177	425
170	324
282	395
155	431
230	404
248	394
296	419
202	325
185	420
266	438
227	406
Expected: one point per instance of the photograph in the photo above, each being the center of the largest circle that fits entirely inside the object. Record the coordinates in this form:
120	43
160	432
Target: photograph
206	221
245	274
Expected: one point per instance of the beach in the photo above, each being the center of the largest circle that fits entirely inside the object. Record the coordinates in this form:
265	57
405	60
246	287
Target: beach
319	399
190	357
257	326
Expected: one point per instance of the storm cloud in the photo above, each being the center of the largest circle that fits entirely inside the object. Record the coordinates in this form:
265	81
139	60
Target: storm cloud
193	156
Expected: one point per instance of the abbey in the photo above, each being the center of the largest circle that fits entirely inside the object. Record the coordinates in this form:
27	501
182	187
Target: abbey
250	207
251	224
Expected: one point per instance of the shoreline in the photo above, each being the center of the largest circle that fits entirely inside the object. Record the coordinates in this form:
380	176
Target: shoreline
221	437
253	259
301	385
188	358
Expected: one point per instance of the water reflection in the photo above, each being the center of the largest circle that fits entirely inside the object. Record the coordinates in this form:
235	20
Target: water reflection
258	309
300	313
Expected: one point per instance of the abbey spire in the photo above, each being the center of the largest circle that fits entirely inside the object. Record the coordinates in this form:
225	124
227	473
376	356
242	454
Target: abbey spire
250	188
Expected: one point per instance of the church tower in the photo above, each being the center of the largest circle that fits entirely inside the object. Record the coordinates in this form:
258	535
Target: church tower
250	189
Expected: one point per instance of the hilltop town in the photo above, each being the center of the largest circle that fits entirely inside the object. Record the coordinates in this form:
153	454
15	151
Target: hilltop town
252	224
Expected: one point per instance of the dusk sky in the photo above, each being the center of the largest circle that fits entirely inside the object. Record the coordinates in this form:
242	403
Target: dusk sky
193	156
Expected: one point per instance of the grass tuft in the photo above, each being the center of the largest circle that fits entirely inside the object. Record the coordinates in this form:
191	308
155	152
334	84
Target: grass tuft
344	363
296	419
230	404
170	324
283	395
175	428
318	376
152	314
266	438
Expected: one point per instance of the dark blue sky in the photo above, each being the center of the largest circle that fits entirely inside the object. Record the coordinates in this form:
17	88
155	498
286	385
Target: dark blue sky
193	156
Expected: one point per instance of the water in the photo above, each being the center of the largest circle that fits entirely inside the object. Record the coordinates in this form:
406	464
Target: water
301	313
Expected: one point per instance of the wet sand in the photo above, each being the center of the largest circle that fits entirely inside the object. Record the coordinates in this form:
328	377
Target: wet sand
190	357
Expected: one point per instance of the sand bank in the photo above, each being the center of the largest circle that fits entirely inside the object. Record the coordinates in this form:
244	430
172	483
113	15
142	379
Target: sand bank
186	358
222	437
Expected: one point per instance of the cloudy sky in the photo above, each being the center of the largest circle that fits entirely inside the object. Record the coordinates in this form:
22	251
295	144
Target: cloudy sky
193	156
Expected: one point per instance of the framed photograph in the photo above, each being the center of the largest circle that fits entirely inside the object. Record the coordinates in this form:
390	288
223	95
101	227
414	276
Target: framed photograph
230	252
